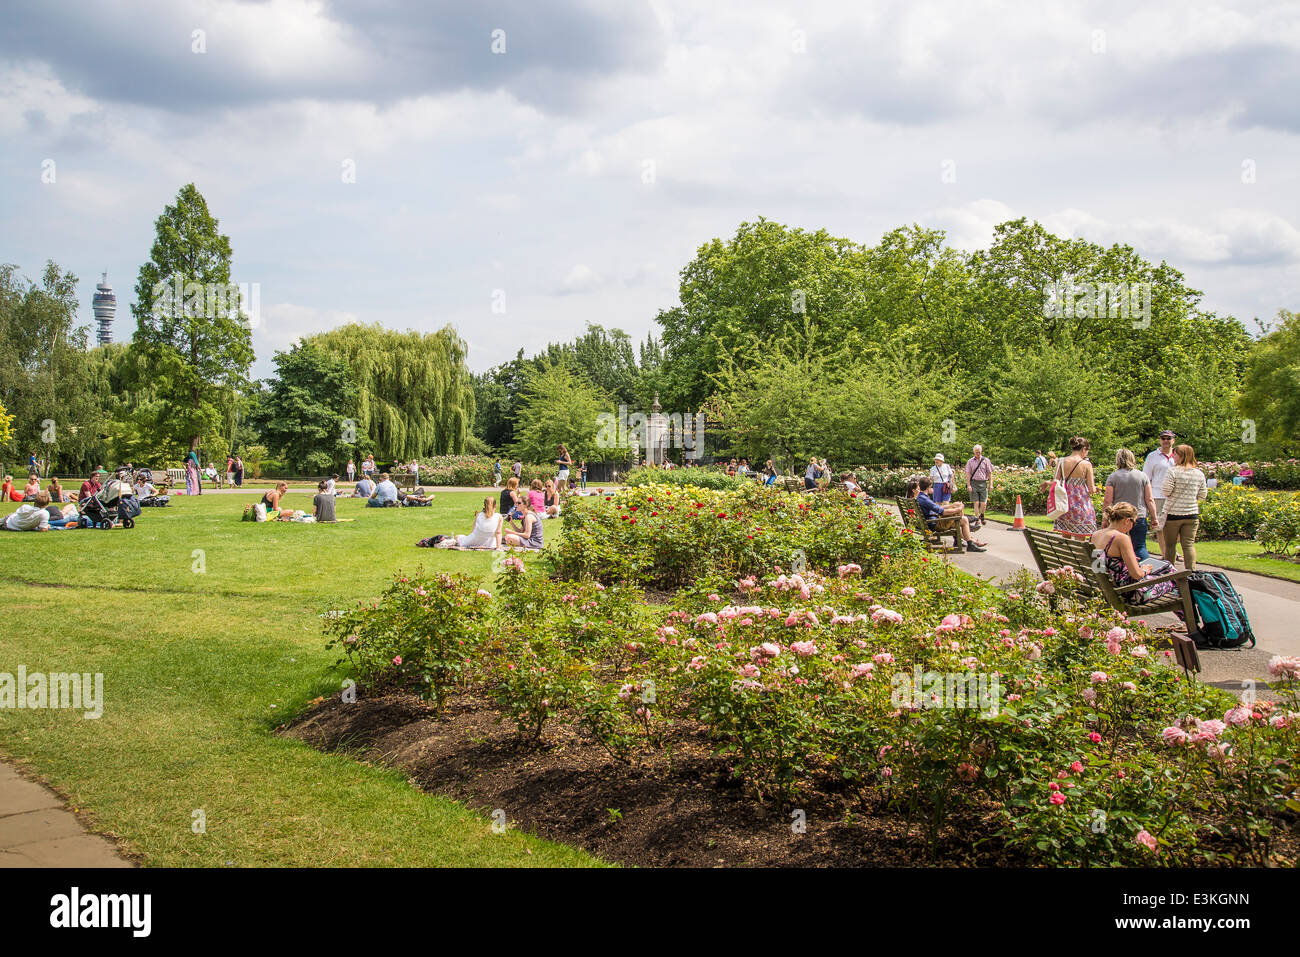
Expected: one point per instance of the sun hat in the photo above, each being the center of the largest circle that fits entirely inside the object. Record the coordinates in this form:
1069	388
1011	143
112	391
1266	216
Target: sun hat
938	457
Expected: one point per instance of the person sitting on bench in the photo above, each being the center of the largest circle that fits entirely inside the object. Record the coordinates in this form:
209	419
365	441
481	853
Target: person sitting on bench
919	489
1121	557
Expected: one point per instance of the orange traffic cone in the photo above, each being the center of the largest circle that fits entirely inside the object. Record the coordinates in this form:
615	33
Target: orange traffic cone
1019	523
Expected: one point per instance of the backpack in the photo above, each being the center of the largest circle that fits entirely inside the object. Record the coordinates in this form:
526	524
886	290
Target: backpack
1222	613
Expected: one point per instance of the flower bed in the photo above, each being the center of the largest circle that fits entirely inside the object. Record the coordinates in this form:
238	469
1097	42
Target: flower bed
1055	728
711	477
664	537
1235	511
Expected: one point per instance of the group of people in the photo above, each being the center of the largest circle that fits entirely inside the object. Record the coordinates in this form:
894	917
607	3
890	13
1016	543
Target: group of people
1166	492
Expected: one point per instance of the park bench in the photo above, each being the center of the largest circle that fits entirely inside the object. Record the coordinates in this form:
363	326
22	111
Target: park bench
1052	551
933	537
403	480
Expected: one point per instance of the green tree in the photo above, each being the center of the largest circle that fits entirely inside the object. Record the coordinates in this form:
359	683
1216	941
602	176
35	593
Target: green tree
558	405
1040	399
1271	398
44	381
308	412
190	324
414	393
738	296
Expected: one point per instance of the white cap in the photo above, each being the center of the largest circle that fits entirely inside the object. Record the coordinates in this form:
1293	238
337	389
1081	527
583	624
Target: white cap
939	457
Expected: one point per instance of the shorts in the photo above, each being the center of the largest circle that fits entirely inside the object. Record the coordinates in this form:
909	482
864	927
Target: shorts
979	490
564	475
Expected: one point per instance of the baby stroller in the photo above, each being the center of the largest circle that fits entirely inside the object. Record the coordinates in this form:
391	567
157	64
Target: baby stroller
114	502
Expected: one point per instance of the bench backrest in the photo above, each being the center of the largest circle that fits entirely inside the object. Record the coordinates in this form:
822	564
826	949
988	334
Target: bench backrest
911	515
1051	551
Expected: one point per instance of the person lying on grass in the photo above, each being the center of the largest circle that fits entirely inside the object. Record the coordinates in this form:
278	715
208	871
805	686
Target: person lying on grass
33	516
919	489
528	533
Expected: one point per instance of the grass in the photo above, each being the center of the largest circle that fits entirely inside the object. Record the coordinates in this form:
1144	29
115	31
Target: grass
1234	554
207	632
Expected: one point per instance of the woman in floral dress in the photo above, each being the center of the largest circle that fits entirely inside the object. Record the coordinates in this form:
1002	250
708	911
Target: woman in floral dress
1121	557
1075	469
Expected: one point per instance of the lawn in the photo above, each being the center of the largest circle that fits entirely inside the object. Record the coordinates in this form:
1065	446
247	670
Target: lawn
1236	554
208	633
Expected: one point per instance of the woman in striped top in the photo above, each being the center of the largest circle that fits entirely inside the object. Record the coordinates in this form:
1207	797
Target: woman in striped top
1184	491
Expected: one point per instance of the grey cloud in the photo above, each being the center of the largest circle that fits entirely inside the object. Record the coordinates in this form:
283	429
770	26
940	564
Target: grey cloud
553	51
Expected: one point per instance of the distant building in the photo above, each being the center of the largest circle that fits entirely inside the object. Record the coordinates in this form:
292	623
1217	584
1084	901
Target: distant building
105	305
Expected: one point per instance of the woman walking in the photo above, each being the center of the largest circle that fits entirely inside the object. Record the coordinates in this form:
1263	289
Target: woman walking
1184	491
192	485
1080	521
1130	484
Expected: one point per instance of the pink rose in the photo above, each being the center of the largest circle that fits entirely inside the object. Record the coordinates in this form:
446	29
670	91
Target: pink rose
1145	838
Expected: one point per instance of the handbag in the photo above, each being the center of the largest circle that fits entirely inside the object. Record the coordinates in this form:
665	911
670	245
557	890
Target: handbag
1058	496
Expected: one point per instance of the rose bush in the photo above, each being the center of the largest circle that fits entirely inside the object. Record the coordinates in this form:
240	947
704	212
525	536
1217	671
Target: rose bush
1059	728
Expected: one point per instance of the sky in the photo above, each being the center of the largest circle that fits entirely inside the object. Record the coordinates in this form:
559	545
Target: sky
521	169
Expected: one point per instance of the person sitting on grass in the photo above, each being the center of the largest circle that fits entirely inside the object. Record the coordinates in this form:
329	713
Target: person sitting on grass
528	533
537	496
486	532
552	499
33	486
92	485
510	498
8	493
322	503
919	489
385	493
364	488
272	498
56	491
32	516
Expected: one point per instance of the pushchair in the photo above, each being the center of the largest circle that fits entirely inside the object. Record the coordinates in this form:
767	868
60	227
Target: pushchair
114	502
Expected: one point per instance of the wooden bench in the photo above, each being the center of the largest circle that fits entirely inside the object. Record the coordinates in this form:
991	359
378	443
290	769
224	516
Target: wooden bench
1052	551
403	480
933	537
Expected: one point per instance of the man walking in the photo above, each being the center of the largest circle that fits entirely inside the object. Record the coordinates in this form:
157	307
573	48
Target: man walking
1157	466
979	473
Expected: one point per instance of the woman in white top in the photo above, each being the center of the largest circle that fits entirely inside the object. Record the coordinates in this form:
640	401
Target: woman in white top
942	478
1184	490
487	528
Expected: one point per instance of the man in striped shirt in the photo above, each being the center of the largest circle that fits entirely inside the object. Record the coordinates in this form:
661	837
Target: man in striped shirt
979	472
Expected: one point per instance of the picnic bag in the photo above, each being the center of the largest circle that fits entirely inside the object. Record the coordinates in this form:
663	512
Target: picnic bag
1221	612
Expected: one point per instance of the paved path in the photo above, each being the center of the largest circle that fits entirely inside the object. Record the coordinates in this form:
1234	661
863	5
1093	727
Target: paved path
1273	606
38	830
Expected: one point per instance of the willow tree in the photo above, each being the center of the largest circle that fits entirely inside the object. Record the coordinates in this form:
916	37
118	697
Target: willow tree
415	395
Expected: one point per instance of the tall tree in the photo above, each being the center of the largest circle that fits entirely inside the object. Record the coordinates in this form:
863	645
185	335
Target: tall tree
415	395
190	323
